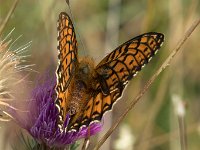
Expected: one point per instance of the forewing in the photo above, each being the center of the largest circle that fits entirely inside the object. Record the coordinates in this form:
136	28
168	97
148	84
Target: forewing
117	68
67	48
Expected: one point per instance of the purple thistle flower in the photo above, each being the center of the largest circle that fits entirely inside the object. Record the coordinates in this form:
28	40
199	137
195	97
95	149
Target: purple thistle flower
41	119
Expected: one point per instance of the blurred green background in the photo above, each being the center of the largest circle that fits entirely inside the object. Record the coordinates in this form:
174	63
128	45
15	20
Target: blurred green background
103	25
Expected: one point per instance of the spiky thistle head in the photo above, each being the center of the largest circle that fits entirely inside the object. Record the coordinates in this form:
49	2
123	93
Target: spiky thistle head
42	116
12	65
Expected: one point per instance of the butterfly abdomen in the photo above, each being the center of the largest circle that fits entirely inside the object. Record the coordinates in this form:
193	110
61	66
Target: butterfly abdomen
77	98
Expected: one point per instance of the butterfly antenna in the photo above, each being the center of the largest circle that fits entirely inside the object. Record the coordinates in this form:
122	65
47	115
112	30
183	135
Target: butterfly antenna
70	11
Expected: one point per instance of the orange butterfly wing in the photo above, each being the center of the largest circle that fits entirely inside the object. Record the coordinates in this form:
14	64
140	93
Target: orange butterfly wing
67	48
95	109
118	67
114	72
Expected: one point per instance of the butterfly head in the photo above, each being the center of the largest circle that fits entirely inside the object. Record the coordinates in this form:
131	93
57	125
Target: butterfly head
85	69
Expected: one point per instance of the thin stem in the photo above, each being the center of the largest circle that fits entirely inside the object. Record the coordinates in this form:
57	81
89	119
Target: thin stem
182	131
153	112
8	16
179	106
85	144
151	80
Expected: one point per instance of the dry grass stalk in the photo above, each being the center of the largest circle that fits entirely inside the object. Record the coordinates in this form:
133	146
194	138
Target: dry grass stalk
3	25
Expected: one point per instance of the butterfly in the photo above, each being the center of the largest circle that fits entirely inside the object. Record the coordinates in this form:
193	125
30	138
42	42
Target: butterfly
86	92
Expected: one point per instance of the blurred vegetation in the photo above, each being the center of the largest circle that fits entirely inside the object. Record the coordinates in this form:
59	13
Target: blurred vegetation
153	122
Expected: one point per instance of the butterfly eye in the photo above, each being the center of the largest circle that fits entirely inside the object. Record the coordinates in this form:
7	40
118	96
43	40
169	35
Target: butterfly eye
85	70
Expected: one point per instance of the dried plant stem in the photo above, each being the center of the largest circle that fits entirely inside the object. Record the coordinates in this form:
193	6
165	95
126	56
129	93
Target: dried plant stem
152	114
151	80
8	16
67	1
182	132
85	144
